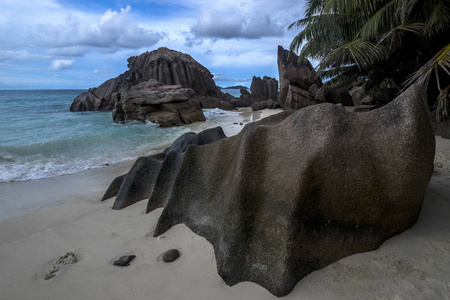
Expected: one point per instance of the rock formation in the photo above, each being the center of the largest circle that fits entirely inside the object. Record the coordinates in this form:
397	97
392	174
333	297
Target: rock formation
156	170
280	201
263	89
167	105
296	80
295	192
164	65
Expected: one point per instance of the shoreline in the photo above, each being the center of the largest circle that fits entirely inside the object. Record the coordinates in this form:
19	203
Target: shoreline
21	197
412	265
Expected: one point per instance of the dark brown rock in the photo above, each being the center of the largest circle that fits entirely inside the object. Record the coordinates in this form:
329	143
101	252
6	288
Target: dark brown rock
139	181
164	65
124	261
243	102
298	98
113	188
337	95
204	137
263	89
292	72
171	255
244	92
281	200
86	101
383	96
167	105
152	177
226	106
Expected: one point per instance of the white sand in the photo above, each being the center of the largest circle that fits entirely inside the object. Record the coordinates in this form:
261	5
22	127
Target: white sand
413	265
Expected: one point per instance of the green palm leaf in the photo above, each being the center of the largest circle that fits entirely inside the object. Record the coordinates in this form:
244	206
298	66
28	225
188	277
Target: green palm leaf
440	62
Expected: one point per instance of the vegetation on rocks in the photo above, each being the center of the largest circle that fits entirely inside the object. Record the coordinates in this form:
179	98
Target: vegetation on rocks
404	41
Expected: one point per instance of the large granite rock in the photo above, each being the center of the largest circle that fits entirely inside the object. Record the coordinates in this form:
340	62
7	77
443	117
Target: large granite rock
167	105
292	72
138	183
263	89
204	137
156	172
164	65
283	199
298	98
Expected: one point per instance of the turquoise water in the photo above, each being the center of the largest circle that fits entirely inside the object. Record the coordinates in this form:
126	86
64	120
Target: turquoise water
40	137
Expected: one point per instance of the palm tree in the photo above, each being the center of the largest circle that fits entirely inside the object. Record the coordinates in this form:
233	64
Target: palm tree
405	41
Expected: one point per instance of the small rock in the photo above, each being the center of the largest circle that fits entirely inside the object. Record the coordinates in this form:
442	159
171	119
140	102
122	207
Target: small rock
241	123
124	261
171	255
49	276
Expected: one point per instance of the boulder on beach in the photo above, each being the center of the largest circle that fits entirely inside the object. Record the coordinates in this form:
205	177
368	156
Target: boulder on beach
152	177
167	66
284	198
167	105
263	89
139	181
298	74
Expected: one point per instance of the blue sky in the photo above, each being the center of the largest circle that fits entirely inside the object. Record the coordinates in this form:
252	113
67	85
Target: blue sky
78	44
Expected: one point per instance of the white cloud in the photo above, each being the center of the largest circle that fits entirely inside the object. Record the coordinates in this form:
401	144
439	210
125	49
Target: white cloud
20	55
113	31
71	33
61	64
214	24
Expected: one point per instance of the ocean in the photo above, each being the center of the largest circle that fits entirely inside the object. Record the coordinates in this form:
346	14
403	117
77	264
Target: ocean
40	137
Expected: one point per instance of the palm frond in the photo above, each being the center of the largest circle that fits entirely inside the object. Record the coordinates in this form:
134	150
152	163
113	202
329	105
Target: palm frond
385	17
312	7
440	15
358	51
440	62
443	104
394	37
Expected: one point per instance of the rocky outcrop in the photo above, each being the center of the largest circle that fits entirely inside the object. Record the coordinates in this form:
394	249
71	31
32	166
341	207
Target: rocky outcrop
264	104
164	65
283	199
263	89
298	98
156	171
300	75
167	105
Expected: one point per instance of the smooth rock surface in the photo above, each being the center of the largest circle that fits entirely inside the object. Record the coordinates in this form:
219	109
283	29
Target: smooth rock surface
152	177
283	199
124	261
139	181
171	255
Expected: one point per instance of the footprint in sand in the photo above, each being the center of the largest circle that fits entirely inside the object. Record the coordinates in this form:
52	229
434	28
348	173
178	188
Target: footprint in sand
66	259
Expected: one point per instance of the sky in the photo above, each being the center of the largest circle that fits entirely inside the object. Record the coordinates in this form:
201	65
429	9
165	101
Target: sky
79	44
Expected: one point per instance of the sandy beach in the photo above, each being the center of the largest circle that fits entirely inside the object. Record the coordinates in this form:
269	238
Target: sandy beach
71	218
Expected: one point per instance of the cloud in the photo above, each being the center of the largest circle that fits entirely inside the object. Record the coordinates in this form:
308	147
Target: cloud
73	35
115	30
20	55
214	24
61	64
